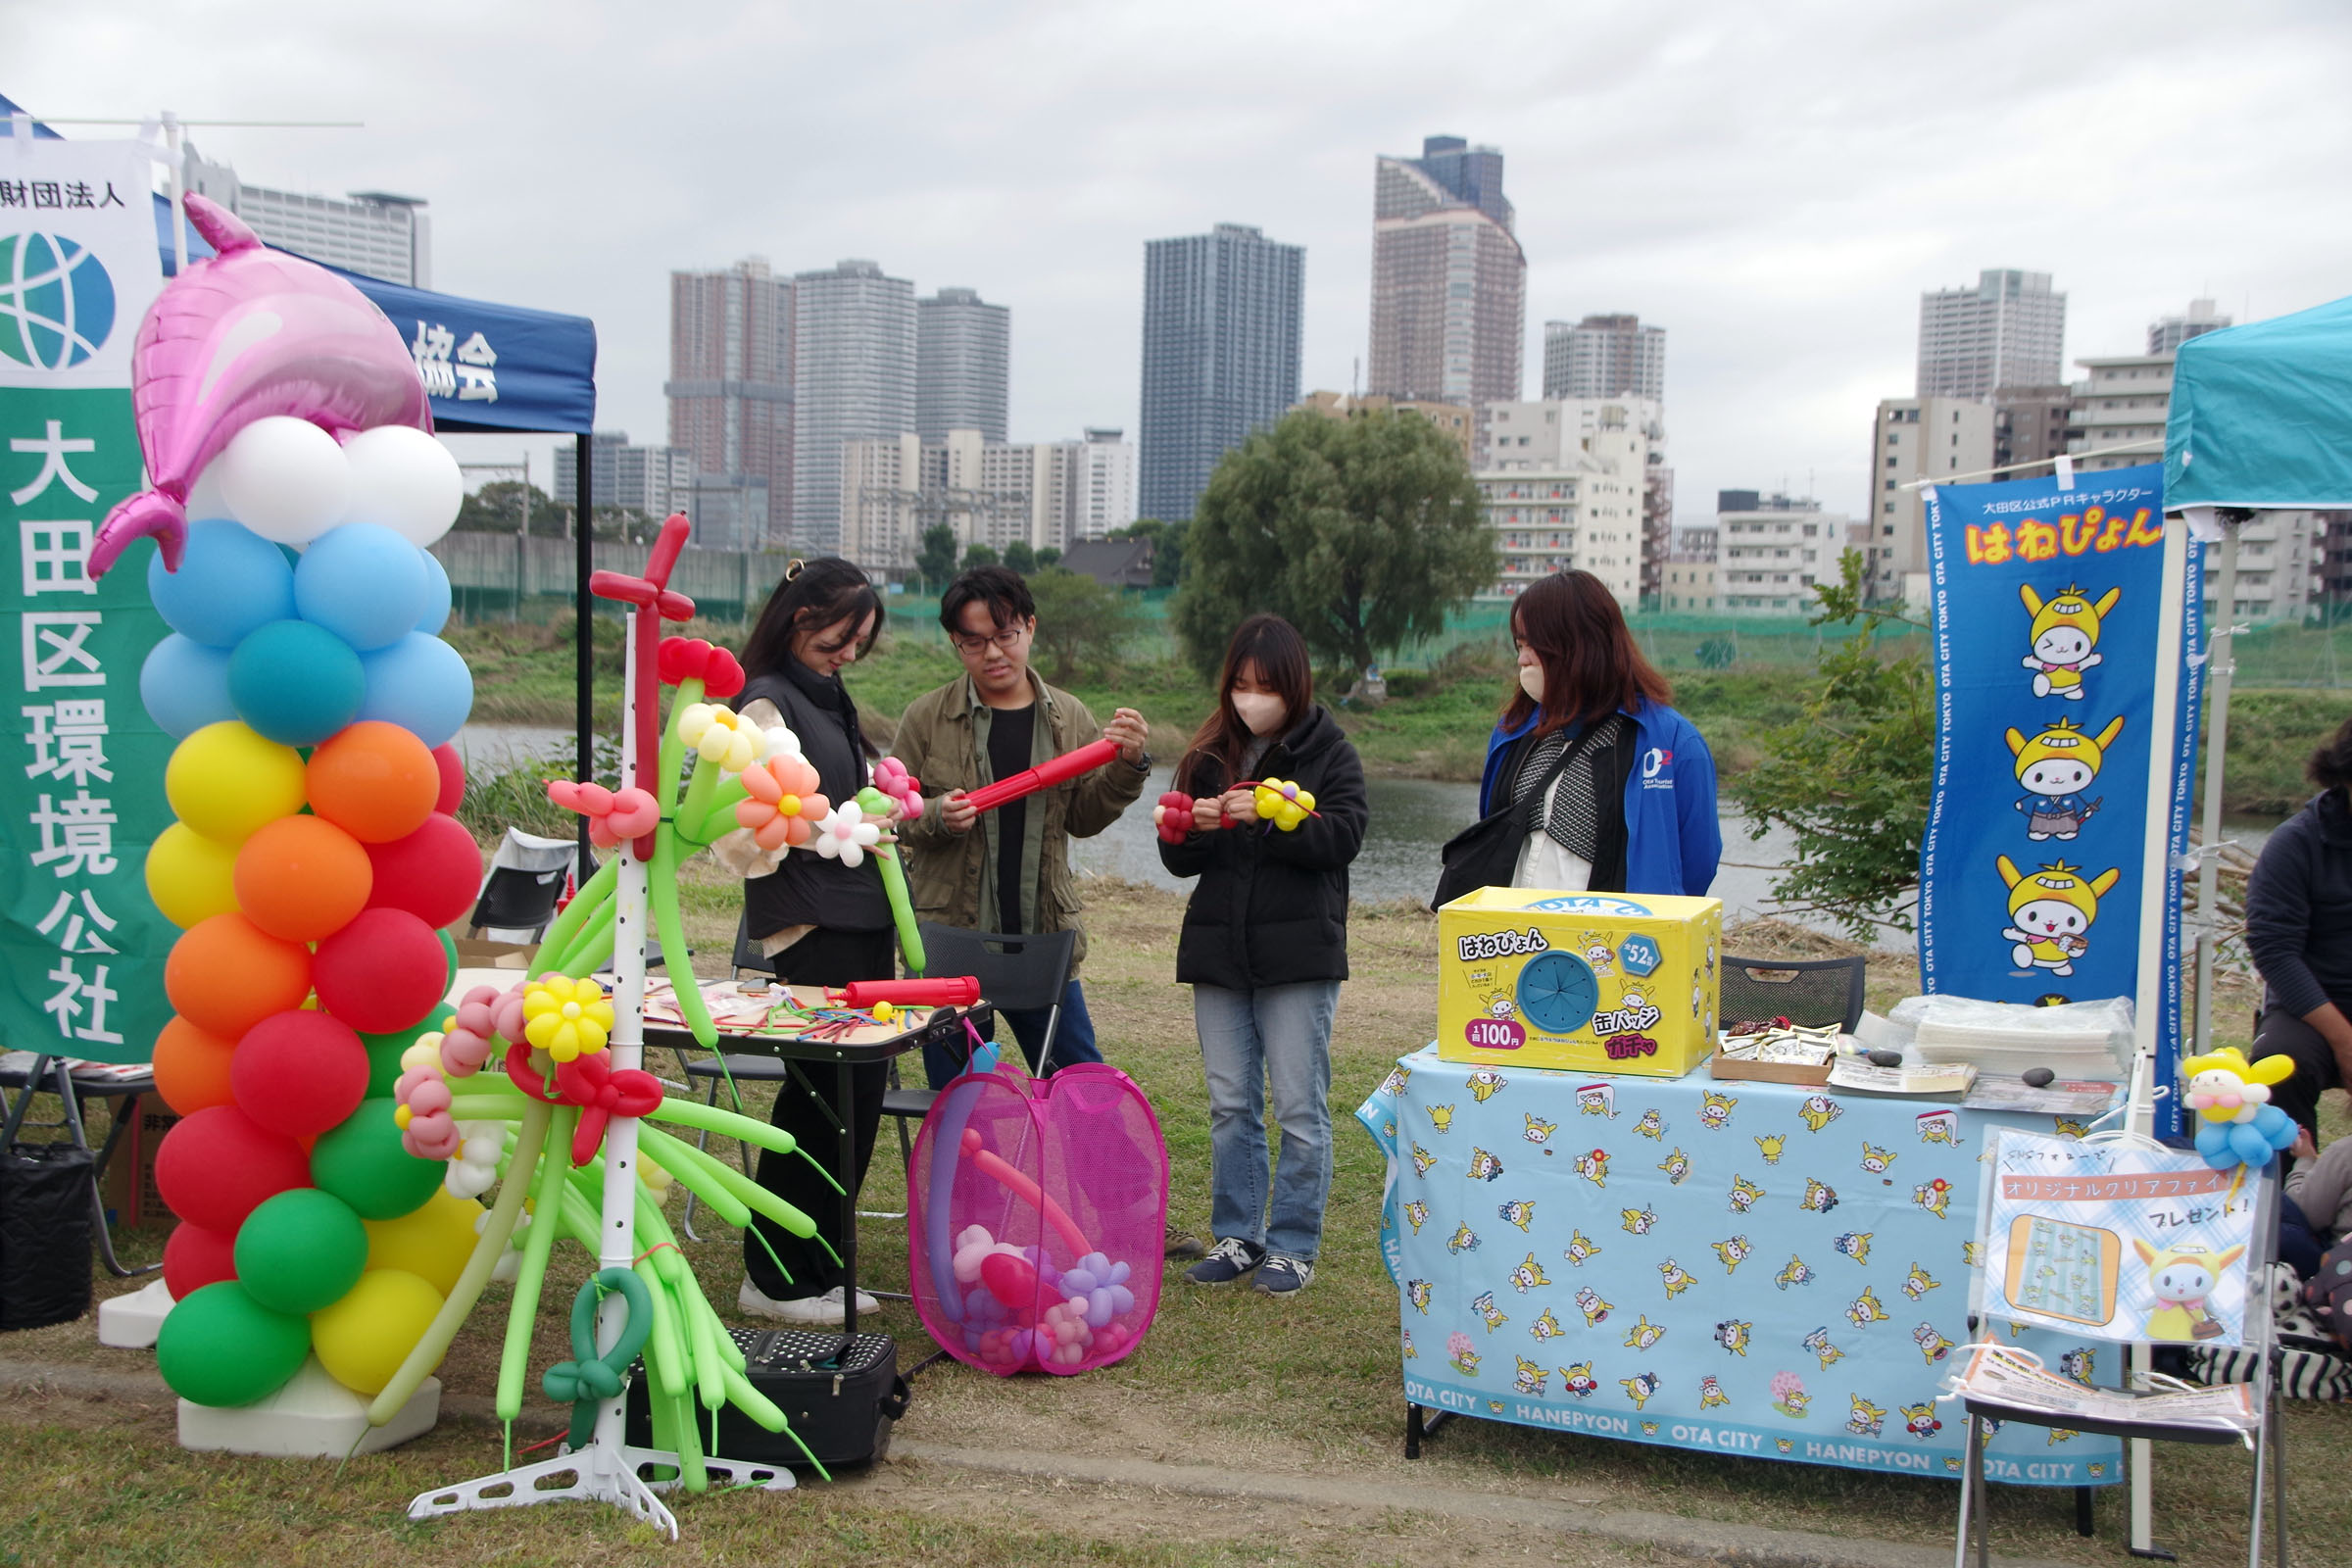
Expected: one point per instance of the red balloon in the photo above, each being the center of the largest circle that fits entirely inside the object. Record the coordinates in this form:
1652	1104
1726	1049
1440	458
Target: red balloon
384	971
433	873
1012	1280
299	1073
215	1167
195	1257
452	778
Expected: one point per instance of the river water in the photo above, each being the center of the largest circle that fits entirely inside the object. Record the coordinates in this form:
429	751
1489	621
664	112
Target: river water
1410	819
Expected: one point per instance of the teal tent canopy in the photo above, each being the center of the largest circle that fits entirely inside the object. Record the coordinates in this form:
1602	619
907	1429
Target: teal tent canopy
2262	415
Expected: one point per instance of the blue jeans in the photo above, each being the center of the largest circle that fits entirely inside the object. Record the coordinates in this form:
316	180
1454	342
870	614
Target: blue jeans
1279	1034
1073	1039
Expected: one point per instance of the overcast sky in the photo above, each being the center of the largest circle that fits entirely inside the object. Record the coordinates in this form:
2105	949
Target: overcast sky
1774	183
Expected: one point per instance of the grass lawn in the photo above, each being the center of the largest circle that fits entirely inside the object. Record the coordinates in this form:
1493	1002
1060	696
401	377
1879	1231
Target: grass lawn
1308	1387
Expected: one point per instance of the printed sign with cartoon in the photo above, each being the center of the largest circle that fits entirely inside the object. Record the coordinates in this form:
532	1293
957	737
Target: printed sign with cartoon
2118	1243
2046	620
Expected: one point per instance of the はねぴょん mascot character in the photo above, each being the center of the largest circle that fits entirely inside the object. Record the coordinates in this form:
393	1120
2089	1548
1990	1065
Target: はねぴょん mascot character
2237	1123
2066	631
2182	1277
2050	911
2055	766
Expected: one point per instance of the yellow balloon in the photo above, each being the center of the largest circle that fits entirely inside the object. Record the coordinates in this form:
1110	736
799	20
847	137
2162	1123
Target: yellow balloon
190	876
362	1339
431	1243
225	781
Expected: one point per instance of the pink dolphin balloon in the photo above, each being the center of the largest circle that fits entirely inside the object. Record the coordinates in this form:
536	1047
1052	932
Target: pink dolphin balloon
249	333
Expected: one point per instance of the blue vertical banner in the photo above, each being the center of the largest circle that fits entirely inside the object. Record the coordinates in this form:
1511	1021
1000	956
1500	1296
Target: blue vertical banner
2046	611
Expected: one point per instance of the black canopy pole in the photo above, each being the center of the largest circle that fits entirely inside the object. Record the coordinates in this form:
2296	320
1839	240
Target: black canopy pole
585	629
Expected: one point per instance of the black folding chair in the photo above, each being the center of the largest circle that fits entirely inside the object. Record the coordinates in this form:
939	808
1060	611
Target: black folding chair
1815	993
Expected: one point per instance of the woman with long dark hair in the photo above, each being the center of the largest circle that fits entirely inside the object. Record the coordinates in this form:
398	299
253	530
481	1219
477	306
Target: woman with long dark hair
2299	930
816	921
1618	788
1264	948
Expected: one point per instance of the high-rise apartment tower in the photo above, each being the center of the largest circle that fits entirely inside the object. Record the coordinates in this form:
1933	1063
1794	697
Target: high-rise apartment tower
730	392
963	358
1604	357
1220	355
854	380
2008	330
1449	279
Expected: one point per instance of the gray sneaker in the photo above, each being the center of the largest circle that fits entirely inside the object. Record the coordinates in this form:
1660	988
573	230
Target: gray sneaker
1183	1243
1227	1261
1284	1276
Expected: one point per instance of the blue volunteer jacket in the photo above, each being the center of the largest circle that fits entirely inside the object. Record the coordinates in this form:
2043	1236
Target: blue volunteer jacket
1672	838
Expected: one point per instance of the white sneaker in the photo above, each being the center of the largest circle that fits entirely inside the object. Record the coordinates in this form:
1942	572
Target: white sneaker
825	1308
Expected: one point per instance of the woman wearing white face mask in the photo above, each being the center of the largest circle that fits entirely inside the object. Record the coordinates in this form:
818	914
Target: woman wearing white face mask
1618	790
1264	948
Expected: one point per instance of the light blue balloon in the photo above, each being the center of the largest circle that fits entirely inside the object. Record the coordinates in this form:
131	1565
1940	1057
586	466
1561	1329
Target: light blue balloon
295	683
362	582
421	684
184	686
437	597
231	580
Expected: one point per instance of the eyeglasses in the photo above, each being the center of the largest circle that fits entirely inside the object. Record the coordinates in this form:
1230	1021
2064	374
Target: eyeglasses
1005	637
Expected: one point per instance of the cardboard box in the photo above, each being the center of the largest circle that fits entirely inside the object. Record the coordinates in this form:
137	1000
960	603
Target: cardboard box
1771	1072
128	1187
477	953
1585	982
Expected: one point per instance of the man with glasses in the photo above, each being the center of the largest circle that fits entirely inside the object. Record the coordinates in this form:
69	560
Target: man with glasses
1008	869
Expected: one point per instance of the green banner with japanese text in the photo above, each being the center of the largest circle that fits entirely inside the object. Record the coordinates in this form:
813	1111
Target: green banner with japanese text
81	785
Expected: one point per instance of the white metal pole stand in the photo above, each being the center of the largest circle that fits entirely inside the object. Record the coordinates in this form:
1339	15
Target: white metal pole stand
609	1469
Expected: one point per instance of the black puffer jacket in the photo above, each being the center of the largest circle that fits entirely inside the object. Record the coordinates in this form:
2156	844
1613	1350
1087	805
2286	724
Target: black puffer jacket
807	889
2299	907
1271	908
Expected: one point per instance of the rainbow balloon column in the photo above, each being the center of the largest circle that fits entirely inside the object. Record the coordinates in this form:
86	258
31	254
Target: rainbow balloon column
276	409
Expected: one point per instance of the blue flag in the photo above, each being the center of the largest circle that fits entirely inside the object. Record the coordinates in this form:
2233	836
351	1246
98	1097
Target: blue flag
2046	609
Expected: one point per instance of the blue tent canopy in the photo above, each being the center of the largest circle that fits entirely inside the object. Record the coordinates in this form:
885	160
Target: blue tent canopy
486	366
2262	415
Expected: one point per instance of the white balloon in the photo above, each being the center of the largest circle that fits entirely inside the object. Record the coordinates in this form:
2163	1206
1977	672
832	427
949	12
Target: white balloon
285	478
406	480
204	496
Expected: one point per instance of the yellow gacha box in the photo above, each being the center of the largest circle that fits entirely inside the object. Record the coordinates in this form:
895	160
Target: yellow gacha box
1585	982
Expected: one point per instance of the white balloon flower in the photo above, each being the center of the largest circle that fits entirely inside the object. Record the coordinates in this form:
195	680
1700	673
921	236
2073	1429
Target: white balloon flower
844	834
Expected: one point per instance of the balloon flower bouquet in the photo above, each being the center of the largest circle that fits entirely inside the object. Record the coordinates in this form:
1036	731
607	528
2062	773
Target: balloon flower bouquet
337	1126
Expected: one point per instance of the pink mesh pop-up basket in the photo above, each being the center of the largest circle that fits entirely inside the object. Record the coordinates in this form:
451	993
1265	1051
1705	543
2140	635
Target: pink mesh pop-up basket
1036	1218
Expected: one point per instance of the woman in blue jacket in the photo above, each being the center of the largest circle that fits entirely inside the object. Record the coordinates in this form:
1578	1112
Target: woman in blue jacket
1633	809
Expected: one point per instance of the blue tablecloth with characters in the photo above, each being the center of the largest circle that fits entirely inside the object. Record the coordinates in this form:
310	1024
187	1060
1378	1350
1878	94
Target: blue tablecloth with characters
1747	1267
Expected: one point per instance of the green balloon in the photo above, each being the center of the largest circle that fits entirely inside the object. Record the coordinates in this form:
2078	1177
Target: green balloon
301	1250
383	1051
363	1163
223	1347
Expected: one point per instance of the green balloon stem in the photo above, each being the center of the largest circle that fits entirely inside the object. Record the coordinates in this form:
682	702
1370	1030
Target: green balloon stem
553	1160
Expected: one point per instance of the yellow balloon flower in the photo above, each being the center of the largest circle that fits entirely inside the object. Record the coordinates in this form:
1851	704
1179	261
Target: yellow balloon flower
1283	803
565	1018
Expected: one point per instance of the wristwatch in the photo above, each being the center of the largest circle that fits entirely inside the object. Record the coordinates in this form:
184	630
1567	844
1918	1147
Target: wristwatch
1142	763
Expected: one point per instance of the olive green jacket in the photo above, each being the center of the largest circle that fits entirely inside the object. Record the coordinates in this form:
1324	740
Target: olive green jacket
952	875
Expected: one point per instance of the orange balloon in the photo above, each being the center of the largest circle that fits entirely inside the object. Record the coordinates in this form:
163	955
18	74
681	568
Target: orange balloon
301	879
192	1067
226	974
376	781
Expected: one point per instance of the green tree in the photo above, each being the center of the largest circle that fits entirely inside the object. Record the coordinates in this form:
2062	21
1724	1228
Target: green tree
1850	779
1081	625
980	555
1718	652
1047	556
1363	533
497	508
1021	558
934	561
1168	539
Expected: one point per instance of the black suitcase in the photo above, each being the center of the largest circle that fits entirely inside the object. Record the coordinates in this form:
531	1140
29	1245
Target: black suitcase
841	1396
